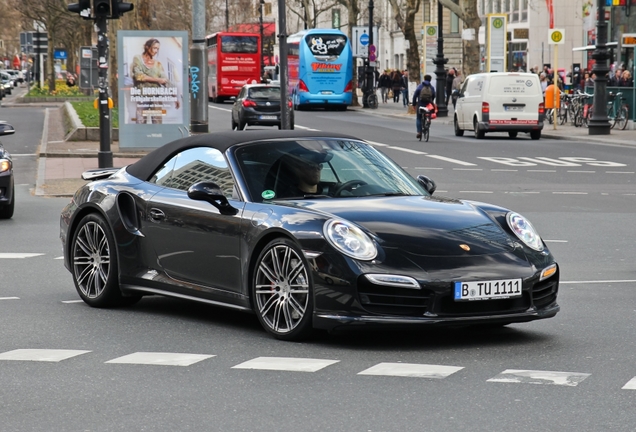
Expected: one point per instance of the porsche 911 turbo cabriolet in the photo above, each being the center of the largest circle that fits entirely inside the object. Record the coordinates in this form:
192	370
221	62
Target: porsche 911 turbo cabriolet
306	229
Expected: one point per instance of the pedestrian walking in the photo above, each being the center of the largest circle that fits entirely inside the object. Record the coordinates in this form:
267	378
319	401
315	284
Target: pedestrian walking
457	85
384	82
396	84
450	77
405	88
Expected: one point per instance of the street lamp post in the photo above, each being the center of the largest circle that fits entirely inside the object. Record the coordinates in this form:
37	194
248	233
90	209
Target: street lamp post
599	123
227	17
440	61
261	3
368	71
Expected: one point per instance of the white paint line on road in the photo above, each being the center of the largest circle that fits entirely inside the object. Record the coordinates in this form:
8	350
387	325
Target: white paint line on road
452	160
629	194
59	258
23	154
585	172
305	128
286	364
428	168
477	192
161	359
523	192
541	170
571	379
411	370
503	170
569	193
631	384
219	108
72	301
18	255
377	144
468	169
9	298
620	172
406	150
599	282
555	241
45	355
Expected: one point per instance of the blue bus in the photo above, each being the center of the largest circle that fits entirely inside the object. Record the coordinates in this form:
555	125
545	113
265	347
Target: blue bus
320	69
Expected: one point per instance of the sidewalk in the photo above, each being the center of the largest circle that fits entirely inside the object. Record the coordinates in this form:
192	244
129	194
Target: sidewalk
61	162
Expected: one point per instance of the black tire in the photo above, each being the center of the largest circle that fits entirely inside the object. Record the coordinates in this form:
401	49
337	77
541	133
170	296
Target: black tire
234	125
283	307
512	134
535	134
241	124
372	101
479	134
6	211
94	264
458	131
622	118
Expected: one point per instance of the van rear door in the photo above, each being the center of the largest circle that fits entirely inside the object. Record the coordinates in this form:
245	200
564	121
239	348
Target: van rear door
514	99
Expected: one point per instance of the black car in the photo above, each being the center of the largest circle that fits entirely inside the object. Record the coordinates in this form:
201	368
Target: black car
306	230
258	104
7	188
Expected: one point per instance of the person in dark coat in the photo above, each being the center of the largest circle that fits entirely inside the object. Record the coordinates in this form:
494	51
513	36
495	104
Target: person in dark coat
396	82
384	82
450	76
405	87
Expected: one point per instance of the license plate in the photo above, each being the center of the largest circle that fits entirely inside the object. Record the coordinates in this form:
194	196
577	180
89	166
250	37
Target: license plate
265	117
514	108
326	92
487	290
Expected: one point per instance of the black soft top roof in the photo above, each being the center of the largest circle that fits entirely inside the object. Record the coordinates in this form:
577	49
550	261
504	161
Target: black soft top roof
146	166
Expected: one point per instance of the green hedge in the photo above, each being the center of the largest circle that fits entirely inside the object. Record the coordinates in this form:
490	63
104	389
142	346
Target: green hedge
90	116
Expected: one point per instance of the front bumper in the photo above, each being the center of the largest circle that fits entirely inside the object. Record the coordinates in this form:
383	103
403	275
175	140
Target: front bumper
6	187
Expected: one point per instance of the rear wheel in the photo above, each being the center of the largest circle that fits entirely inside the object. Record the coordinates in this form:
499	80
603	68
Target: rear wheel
94	264
425	134
458	131
535	134
512	134
6	211
282	291
478	133
621	118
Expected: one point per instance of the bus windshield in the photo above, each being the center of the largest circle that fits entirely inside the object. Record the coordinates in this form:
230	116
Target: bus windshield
239	44
326	44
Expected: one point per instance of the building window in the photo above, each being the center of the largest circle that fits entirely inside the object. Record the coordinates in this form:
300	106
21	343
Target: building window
514	14
267	10
523	7
454	23
426	11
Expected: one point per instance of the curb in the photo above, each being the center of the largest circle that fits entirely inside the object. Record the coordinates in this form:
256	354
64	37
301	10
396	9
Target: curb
39	190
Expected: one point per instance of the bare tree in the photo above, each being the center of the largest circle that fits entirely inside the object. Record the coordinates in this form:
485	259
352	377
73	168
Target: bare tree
353	14
404	12
466	10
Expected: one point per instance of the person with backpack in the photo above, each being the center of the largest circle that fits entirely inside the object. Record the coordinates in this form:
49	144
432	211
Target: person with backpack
424	95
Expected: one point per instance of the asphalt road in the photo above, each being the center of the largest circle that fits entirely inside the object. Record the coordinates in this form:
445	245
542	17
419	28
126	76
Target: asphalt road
569	373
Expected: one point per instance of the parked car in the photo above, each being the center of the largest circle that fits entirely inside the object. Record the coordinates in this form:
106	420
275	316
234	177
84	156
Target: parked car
7	187
258	104
7	82
18	76
500	102
306	229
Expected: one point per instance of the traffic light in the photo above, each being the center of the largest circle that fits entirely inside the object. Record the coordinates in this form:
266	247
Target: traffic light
119	8
101	8
83	8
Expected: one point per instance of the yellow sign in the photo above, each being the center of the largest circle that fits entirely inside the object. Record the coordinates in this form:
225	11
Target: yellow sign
431	31
556	36
628	40
497	23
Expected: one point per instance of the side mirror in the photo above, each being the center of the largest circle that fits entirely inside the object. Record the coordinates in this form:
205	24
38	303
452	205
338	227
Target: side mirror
427	183
6	129
212	193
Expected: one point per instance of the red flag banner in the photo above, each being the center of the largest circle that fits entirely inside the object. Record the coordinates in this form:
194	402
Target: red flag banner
550	12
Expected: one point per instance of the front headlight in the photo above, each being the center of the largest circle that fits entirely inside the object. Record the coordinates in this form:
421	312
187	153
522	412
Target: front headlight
5	165
349	239
524	230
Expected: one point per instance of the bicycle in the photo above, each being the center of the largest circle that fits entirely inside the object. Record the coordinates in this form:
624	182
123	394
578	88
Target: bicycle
372	100
425	114
617	110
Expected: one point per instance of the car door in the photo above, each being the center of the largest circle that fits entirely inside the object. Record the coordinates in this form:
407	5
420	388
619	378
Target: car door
462	104
193	241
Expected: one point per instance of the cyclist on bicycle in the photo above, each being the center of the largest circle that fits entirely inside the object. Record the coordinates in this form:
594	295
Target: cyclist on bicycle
424	95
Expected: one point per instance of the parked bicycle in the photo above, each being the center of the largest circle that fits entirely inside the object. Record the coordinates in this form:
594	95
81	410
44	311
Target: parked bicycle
617	110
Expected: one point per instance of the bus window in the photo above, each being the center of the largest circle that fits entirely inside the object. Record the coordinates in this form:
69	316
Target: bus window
330	45
239	44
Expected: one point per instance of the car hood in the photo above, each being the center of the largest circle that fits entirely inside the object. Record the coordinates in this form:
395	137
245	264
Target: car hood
420	225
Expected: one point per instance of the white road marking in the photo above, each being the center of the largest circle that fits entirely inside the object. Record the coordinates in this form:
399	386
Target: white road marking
220	109
286	364
555	241
571	379
9	298
586	172
503	170
620	172
600	281
18	255
72	301
468	169
569	193
406	150
538	170
452	160
161	358
305	128
23	154
428	168
411	370
59	258
631	384
377	144
45	355
477	192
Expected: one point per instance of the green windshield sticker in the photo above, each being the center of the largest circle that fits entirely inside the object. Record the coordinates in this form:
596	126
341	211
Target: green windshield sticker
268	194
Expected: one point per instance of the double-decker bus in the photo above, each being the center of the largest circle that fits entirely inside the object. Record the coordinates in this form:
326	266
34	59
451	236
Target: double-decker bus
320	69
234	59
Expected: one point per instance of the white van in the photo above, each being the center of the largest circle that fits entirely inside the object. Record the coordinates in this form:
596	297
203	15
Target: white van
500	102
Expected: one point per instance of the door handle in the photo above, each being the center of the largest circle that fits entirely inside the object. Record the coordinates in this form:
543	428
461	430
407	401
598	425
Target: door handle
156	214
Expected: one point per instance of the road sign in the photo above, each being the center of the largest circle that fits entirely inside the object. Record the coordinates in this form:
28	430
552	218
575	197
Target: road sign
360	50
556	36
89	70
364	39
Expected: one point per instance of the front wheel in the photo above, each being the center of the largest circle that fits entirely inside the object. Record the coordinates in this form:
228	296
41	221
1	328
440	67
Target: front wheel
478	133
458	131
94	264
372	101
622	119
282	291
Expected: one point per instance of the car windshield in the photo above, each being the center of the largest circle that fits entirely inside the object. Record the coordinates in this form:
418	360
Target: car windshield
271	93
341	168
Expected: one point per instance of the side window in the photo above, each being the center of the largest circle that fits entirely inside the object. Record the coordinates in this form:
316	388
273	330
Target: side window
163	174
199	164
465	88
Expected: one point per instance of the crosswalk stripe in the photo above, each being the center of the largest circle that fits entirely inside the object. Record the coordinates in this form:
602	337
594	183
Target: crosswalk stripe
571	379
631	384
9	298
286	364
45	355
161	358
18	255
411	370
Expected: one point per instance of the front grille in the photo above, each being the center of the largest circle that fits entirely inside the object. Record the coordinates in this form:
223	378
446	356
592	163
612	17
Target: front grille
448	306
545	293
390	300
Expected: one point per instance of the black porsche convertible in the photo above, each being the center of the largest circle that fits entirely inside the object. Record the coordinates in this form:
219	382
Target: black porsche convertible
308	230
